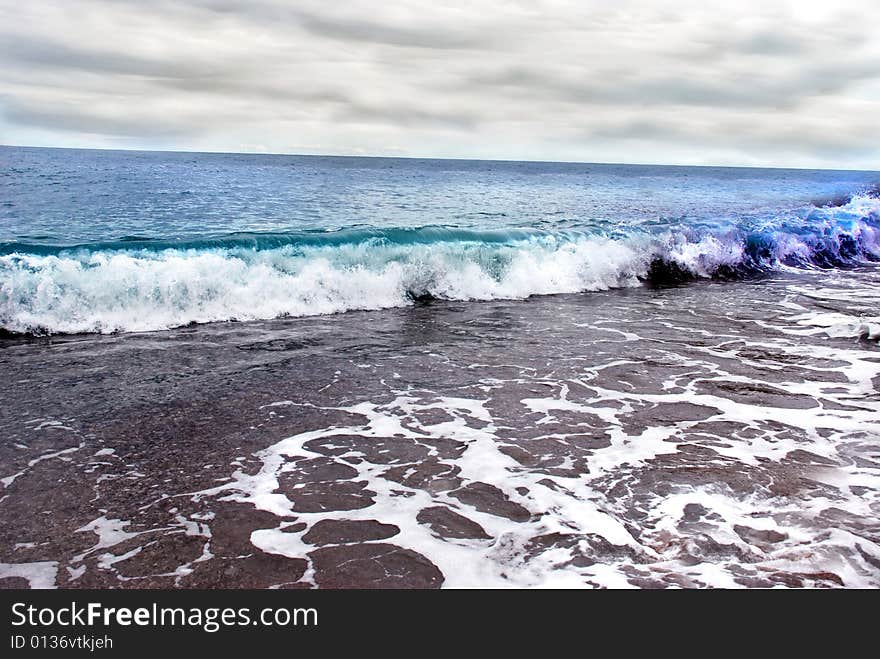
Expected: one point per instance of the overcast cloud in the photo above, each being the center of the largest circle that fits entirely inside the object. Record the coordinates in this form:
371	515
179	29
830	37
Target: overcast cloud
750	83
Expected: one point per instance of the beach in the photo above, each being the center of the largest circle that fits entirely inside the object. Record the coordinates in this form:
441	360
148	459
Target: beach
528	403
616	439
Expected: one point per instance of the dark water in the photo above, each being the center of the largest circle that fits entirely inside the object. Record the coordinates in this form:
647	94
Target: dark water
443	430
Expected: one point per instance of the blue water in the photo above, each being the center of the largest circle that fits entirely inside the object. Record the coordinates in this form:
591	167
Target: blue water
112	240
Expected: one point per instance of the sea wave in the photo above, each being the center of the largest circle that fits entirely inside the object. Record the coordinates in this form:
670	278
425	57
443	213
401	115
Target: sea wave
843	326
141	284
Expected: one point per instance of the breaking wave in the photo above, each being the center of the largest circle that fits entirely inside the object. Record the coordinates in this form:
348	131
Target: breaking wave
137	284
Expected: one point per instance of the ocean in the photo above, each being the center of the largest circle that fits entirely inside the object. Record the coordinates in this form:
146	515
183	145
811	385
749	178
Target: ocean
228	370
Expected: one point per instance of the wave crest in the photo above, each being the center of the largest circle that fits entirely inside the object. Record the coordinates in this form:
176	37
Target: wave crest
145	285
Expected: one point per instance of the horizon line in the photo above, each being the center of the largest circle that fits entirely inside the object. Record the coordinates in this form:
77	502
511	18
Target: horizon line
377	157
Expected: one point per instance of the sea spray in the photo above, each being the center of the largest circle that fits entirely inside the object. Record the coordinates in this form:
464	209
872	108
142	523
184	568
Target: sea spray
150	285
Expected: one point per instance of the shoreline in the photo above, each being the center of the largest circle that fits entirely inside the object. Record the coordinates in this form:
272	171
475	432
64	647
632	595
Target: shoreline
615	438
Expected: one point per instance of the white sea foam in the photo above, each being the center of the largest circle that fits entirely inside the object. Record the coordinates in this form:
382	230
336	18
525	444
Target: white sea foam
843	326
142	291
40	574
576	504
779	462
856	304
579	503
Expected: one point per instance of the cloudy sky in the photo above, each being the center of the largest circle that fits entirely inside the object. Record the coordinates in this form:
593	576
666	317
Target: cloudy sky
748	83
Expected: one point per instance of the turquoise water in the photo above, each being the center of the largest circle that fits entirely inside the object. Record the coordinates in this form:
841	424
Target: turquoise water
111	240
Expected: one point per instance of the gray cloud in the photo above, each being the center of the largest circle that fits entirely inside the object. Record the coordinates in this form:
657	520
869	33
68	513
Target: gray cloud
755	87
371	31
540	79
84	120
772	43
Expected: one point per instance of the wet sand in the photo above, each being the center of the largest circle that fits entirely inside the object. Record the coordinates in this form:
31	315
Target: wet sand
720	434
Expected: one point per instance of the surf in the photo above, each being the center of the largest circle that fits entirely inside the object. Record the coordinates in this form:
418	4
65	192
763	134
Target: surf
142	284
